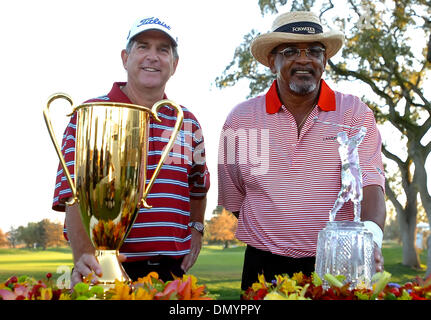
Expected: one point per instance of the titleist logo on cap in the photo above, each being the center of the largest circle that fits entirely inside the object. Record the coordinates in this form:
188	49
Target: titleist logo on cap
153	20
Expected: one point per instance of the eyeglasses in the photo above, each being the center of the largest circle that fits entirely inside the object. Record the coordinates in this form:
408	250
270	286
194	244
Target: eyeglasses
291	53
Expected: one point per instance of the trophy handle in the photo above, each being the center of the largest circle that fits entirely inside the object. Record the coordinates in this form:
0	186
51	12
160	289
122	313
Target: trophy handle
47	117
176	130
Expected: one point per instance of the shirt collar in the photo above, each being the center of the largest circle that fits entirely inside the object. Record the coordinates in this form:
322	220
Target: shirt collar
326	100
117	95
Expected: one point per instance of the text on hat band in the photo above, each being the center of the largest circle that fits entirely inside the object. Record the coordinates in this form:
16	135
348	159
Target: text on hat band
301	27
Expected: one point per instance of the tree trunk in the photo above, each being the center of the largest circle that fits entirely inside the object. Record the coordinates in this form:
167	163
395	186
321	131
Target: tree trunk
425	197
407	219
428	273
408	236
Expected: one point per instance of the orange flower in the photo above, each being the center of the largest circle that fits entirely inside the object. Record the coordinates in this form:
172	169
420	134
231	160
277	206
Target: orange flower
121	291
148	277
142	294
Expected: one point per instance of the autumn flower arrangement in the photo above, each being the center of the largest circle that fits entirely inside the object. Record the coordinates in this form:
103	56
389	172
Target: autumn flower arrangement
301	287
146	288
283	287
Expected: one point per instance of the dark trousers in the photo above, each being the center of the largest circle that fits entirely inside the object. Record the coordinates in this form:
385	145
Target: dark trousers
264	262
166	267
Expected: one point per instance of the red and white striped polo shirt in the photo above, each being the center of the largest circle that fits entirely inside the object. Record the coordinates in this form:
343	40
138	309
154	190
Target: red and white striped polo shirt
163	229
284	186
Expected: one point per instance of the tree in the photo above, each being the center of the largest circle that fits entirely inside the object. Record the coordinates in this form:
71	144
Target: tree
41	234
12	236
379	55
222	227
3	239
52	234
30	235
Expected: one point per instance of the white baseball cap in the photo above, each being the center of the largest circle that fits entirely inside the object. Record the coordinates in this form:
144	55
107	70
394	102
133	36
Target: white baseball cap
152	23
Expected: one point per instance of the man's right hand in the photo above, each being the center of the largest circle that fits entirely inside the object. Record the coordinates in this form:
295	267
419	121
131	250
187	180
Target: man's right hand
86	265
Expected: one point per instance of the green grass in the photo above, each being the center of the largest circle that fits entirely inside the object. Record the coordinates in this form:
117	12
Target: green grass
35	263
392	254
219	269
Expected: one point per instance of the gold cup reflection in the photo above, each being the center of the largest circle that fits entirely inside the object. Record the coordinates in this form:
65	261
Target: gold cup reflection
111	151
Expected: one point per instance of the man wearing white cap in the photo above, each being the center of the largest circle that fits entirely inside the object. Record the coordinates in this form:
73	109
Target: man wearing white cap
166	238
282	206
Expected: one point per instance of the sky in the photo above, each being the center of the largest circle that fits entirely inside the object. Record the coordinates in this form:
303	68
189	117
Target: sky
74	47
51	46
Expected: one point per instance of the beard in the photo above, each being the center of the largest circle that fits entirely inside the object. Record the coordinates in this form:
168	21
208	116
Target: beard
302	88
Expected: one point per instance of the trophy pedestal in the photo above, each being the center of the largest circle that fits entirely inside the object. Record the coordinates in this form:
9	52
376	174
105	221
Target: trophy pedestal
112	269
346	248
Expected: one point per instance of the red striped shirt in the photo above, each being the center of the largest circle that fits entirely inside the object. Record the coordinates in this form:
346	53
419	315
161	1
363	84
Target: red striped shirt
283	185
162	230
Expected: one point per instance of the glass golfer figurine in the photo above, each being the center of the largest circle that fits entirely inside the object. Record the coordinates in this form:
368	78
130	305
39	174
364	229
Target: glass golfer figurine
351	175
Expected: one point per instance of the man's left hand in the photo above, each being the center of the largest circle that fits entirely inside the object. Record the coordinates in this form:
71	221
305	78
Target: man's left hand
195	248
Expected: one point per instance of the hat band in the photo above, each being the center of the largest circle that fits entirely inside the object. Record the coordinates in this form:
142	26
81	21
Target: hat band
301	27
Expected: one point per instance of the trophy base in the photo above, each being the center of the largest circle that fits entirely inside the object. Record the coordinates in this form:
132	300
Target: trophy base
111	269
345	248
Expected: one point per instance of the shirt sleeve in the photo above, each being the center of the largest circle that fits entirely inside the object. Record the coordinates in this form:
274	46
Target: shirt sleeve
231	190
62	189
199	178
370	151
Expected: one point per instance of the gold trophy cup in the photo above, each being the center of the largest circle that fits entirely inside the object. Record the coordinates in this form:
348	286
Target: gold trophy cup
111	151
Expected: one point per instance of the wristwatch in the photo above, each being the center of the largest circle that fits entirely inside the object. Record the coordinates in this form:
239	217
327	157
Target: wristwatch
198	226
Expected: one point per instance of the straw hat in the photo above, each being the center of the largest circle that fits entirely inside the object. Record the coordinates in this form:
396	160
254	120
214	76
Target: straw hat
296	27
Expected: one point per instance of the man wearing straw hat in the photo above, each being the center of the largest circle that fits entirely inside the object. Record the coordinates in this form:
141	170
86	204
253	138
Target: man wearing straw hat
168	237
282	206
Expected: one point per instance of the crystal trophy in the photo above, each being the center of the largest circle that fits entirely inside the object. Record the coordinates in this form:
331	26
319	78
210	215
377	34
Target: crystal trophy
346	247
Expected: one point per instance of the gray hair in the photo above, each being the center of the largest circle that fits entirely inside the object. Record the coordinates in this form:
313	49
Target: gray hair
174	49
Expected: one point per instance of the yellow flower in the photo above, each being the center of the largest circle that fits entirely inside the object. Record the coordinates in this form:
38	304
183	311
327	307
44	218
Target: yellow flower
121	291
275	296
142	294
298	277
304	291
65	296
261	284
45	294
295	296
286	285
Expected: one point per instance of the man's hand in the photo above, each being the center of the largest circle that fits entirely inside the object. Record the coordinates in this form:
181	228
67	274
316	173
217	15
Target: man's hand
378	258
86	265
197	213
195	248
